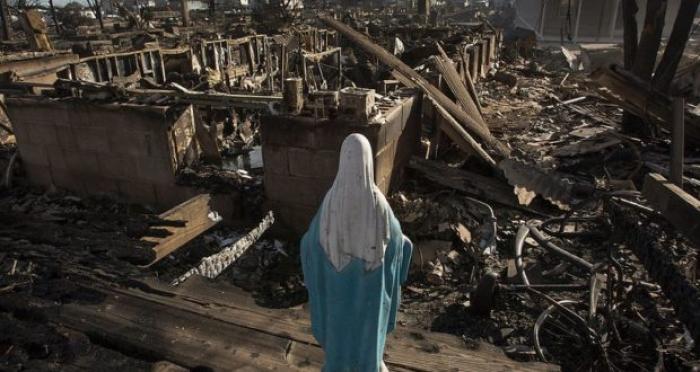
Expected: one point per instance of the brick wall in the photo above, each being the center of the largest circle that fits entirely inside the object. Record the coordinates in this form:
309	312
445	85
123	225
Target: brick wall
131	150
300	156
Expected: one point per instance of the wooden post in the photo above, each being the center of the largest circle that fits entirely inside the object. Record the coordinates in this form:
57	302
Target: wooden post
185	9
678	141
283	64
293	94
340	70
303	68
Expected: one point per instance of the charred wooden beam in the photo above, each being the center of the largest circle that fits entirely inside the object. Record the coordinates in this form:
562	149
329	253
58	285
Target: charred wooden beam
451	76
184	222
22	69
463	140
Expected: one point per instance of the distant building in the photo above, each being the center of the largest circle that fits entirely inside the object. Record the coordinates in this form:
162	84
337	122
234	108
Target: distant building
583	20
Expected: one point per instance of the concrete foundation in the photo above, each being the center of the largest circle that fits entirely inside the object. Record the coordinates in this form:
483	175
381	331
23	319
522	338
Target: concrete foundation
300	156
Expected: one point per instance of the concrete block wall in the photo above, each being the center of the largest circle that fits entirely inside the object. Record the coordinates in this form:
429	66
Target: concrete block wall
131	150
300	156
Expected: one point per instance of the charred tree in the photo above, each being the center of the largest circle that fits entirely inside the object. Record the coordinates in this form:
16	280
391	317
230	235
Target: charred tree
650	39
54	17
629	20
6	20
644	52
97	9
676	45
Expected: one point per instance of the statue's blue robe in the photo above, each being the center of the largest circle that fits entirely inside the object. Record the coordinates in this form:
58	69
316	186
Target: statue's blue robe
353	310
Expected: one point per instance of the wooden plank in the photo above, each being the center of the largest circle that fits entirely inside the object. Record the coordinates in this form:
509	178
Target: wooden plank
407	349
195	219
676	205
157	331
446	68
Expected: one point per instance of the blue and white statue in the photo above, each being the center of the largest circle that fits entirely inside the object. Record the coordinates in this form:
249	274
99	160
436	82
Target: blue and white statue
354	258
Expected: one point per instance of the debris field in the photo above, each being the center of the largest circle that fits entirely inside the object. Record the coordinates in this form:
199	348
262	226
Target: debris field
160	162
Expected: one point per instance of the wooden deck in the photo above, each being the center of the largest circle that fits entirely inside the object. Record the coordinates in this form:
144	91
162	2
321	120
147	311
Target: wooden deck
203	324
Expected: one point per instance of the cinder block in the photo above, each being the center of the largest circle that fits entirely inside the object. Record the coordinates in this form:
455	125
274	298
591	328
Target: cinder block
409	107
301	162
33	154
117	166
288	131
131	143
39	174
138	192
21	133
66	138
304	191
93	138
394	128
55	156
155	170
384	162
331	136
357	102
275	159
81	162
42	133
96	184
326	163
68	180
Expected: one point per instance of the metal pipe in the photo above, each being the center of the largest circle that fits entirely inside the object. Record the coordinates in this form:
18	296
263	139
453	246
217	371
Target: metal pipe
523	232
540	238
